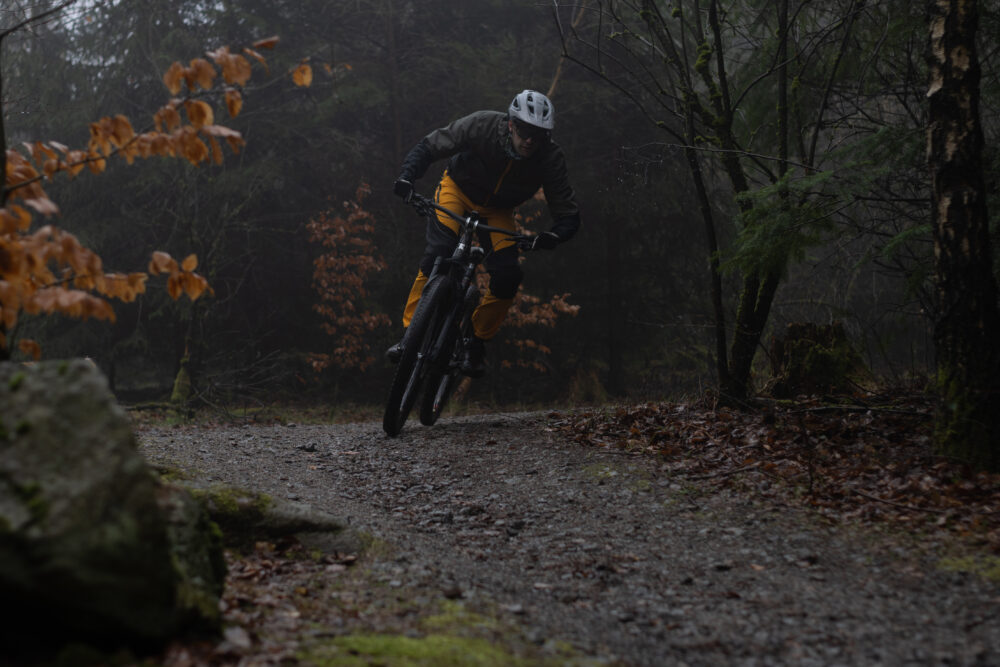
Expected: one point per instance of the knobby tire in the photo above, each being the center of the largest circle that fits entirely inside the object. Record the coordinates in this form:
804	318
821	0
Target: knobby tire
442	381
419	337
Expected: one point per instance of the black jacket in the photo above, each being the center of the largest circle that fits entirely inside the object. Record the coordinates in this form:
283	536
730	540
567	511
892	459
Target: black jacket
482	165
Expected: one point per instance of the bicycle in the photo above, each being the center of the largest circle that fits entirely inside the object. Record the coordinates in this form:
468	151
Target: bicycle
432	346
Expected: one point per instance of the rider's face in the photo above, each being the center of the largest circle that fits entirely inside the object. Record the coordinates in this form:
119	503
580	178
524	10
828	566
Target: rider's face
525	141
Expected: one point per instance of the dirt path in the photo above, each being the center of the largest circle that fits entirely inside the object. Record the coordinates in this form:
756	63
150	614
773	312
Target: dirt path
494	528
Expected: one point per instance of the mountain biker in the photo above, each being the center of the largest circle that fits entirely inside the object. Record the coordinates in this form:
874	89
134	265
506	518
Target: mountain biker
497	161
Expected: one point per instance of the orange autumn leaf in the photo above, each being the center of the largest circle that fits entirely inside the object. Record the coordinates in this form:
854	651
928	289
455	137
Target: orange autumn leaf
194	285
43	205
120	130
232	137
259	58
122	287
167	118
235	68
161	262
190	263
302	76
175	286
202	73
96	163
17	217
199	113
266	43
234	102
173	78
30	348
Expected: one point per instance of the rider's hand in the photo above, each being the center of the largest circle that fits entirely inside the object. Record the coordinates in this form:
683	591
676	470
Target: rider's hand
403	188
545	241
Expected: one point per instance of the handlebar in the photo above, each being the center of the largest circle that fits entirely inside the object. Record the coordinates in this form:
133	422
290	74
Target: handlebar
426	207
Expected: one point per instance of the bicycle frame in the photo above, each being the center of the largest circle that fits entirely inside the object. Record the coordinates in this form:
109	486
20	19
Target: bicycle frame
461	266
430	352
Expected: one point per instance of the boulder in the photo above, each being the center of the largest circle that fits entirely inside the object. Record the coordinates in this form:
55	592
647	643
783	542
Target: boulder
92	546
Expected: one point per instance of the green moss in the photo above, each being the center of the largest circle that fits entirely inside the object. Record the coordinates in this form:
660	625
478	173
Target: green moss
236	512
215	532
172	474
455	618
376	547
34	501
199	603
181	392
704	54
23	427
63	368
987	567
233	502
16	380
395	650
600	471
642	486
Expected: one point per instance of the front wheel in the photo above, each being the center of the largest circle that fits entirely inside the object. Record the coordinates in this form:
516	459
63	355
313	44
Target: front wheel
413	362
443	381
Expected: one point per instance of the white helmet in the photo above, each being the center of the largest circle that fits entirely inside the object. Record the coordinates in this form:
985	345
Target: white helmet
533	108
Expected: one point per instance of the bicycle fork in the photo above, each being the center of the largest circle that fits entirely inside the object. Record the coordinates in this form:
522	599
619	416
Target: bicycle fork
440	353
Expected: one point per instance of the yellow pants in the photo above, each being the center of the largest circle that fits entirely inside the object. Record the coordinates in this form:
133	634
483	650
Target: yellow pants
492	310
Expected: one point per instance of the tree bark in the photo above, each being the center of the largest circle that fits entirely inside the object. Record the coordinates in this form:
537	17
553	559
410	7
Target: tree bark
966	332
711	239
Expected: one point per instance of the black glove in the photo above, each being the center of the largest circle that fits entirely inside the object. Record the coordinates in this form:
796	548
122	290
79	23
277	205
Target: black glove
545	241
403	188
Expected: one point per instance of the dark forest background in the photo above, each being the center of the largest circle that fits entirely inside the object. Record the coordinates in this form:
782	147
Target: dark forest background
847	186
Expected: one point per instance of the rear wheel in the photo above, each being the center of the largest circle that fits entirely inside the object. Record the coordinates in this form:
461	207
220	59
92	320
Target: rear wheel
413	361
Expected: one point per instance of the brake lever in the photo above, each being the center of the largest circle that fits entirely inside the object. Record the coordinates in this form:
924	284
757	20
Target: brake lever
422	204
524	243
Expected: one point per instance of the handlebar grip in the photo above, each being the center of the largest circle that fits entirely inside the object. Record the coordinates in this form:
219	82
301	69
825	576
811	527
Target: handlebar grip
403	189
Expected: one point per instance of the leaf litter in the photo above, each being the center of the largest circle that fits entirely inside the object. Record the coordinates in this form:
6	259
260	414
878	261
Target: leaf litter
850	462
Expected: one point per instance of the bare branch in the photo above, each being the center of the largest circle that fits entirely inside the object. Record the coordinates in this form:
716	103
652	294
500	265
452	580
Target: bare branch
38	18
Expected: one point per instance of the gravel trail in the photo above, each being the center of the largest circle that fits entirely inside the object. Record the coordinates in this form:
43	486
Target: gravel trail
605	551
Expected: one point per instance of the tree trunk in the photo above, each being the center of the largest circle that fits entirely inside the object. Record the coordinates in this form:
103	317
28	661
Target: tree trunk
966	333
751	317
708	221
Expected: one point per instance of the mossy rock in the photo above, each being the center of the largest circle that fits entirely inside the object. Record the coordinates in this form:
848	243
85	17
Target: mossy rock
246	517
90	548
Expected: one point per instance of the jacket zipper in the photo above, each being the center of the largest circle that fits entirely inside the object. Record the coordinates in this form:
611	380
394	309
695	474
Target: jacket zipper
510	163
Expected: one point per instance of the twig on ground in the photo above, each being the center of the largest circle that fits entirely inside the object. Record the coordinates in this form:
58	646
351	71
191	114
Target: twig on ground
726	473
900	505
